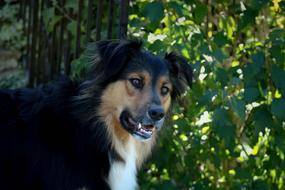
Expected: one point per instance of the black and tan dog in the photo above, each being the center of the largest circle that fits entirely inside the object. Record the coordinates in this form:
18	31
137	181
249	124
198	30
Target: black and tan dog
94	134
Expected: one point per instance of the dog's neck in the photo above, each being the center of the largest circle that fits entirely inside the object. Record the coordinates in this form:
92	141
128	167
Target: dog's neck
128	155
122	174
121	141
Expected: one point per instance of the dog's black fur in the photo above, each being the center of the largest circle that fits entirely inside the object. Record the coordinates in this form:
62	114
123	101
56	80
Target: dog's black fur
51	137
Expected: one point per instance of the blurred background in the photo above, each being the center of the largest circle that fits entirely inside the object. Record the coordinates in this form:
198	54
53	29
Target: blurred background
229	130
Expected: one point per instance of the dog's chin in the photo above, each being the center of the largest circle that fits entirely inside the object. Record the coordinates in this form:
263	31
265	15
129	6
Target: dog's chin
139	130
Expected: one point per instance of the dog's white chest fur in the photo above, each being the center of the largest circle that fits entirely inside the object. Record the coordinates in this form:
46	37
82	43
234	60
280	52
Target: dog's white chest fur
122	175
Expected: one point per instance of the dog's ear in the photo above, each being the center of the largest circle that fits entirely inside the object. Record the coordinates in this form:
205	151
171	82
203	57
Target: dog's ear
180	74
109	57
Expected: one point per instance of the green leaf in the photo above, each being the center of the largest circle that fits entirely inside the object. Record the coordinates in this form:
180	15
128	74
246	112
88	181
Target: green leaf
71	4
156	46
258	4
260	185
277	52
71	27
278	108
243	173
223	126
278	77
185	53
262	118
220	39
206	98
136	22
221	117
258	59
238	106
200	12
196	39
247	19
80	67
48	15
279	141
222	76
219	55
53	22
254	71
177	7
50	19
251	94
154	11
277	36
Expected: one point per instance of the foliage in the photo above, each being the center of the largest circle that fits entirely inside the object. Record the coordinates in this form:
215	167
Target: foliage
12	40
230	131
56	13
80	67
11	30
13	81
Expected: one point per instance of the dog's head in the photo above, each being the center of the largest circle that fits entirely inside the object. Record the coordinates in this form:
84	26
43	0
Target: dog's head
138	87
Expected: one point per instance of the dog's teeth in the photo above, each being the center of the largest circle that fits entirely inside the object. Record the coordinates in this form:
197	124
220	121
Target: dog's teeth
140	125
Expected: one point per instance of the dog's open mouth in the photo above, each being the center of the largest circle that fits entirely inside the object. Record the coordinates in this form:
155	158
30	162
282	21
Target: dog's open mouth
136	128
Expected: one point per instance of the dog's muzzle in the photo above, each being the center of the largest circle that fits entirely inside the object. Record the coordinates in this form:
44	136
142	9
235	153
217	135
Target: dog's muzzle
143	127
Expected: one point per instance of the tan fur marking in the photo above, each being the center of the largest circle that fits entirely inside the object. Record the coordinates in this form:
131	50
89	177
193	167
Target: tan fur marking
121	95
116	97
165	100
166	103
144	149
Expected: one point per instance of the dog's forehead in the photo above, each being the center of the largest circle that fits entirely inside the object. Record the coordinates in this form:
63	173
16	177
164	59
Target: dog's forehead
150	63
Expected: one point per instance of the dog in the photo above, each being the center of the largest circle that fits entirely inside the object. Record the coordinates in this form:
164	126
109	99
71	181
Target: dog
94	133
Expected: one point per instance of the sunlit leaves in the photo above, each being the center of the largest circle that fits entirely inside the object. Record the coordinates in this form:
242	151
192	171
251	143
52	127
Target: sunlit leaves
228	133
228	25
156	46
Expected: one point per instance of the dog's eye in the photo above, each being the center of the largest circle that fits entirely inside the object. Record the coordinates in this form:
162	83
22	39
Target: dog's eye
164	90
137	83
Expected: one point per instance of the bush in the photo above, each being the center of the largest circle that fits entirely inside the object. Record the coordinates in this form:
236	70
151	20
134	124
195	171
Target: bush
11	30
229	132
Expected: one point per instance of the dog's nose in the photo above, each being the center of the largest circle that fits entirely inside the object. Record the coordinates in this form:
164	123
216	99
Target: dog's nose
156	113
